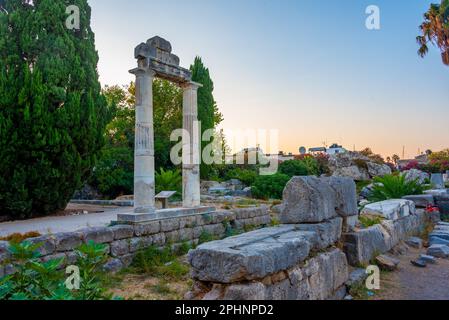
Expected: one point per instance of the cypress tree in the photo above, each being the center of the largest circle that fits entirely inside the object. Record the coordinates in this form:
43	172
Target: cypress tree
208	112
52	113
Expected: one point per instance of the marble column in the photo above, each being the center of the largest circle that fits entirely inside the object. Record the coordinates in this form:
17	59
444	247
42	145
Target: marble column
191	147
144	183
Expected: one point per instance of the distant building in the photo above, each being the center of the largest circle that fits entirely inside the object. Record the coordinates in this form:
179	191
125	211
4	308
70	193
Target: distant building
421	159
333	149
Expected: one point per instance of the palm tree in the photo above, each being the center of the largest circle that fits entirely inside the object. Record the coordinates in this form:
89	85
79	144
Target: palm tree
435	30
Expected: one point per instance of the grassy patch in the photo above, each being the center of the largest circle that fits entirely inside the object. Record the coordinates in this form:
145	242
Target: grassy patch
369	221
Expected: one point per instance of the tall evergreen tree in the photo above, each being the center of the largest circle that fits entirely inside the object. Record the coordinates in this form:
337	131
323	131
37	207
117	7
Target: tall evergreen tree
208	112
52	113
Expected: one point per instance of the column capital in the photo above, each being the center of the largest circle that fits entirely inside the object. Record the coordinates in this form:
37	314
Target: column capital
191	85
143	71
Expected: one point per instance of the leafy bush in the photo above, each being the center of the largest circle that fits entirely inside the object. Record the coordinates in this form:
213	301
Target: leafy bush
37	280
394	187
244	175
266	187
293	168
114	173
170	180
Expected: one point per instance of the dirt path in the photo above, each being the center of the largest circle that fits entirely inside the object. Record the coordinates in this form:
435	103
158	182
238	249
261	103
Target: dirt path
412	283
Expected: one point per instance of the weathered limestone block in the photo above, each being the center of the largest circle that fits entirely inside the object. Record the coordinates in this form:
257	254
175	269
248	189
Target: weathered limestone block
356	277
159	239
215	229
169	224
249	256
68	241
113	265
187	222
122	231
172	236
48	245
393	209
354	172
307	199
378	170
140	243
345	195
362	245
149	228
421	200
120	247
438	250
415	175
387	263
325	234
326	273
127	260
98	235
249	291
414	242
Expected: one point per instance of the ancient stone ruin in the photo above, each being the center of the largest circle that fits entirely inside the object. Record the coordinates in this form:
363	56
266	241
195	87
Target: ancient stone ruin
155	59
311	256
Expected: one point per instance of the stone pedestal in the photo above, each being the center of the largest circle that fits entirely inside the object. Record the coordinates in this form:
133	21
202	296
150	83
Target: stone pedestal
191	147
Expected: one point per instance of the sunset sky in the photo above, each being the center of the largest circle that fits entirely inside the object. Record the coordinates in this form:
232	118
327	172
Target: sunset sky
309	69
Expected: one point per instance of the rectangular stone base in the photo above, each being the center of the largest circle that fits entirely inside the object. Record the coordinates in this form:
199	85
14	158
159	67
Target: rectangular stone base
133	217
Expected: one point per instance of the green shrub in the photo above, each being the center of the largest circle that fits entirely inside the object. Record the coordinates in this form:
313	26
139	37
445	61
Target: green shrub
206	237
36	280
169	180
270	187
394	187
293	168
244	175
114	173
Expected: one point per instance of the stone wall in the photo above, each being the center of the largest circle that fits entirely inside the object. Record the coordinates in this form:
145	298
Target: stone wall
306	258
123	241
297	260
364	244
290	262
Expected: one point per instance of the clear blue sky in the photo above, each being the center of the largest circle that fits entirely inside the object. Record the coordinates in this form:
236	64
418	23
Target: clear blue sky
308	68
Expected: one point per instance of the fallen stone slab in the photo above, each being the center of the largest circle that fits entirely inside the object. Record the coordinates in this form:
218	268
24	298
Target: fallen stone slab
440	234
427	258
393	209
422	200
250	256
438	250
307	200
420	263
387	263
414	242
437	240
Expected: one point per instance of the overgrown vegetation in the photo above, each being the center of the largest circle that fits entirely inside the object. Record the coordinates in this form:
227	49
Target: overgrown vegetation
394	187
270	187
369	221
160	263
169	180
37	280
